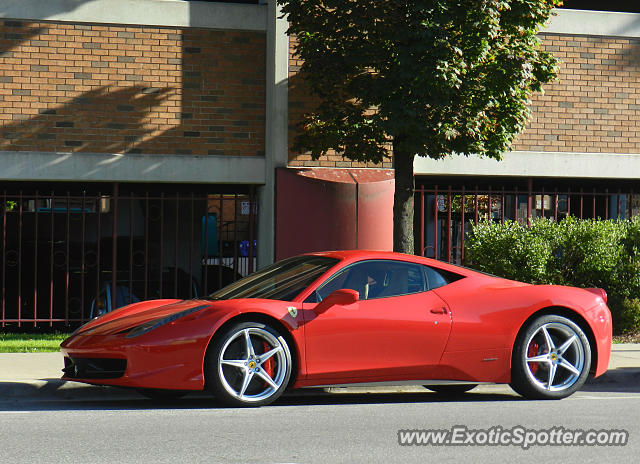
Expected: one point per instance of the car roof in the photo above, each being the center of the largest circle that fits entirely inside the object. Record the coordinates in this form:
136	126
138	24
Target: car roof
358	255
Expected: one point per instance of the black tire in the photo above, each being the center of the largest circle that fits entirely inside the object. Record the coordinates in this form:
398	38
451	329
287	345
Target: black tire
563	358
161	395
450	390
248	373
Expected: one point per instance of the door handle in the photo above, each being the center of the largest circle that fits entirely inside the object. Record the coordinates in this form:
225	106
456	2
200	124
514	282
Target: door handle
439	311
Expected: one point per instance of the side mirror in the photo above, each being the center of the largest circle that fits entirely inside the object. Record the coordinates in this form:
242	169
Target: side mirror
342	297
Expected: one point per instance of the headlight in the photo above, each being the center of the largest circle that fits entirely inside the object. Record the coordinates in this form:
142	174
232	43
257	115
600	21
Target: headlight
155	323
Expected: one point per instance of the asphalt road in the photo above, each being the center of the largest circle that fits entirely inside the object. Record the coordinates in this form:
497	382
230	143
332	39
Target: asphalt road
315	428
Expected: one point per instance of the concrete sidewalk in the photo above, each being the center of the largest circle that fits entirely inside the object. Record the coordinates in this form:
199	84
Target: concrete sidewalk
18	367
625	355
37	376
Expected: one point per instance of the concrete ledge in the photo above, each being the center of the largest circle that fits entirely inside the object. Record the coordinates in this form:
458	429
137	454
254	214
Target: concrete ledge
596	23
535	164
36	166
178	13
171	13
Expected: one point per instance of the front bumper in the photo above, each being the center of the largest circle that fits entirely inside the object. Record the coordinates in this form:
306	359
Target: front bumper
115	360
94	368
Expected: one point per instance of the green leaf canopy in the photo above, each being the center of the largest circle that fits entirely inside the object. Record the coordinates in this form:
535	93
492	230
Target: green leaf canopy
426	77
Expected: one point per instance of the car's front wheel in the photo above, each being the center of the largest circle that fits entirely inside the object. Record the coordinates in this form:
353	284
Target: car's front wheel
248	365
551	358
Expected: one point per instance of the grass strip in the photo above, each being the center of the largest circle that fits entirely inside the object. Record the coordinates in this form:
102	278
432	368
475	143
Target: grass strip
31	342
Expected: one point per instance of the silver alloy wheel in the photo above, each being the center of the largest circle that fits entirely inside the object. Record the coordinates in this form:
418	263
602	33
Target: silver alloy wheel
555	357
253	364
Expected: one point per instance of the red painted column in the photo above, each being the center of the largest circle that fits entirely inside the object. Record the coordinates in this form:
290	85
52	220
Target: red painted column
333	209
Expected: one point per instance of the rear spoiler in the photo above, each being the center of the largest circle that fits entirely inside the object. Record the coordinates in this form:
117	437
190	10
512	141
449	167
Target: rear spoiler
598	291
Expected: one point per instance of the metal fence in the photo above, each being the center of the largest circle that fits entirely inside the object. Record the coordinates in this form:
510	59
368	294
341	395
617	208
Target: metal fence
67	256
446	214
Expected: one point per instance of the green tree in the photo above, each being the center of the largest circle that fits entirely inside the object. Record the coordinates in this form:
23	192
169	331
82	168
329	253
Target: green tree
417	77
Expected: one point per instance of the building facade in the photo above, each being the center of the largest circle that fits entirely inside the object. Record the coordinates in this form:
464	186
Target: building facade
146	152
578	155
136	140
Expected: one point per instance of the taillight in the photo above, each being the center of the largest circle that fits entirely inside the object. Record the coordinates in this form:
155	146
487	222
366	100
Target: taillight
600	292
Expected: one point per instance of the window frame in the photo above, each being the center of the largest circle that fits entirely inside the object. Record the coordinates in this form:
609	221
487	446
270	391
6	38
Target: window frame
314	295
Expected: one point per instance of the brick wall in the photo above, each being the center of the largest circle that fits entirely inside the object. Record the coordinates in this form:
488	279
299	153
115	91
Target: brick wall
594	105
126	89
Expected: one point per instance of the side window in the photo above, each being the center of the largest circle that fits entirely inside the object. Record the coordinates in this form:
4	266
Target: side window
358	277
338	281
439	278
376	279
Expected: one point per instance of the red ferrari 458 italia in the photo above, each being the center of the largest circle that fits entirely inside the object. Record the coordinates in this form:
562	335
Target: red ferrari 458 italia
350	318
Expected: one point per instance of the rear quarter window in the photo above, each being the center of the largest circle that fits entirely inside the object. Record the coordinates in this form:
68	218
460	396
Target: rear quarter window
436	278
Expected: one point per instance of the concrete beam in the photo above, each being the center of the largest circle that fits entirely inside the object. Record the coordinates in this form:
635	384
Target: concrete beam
95	167
171	13
535	164
179	13
595	23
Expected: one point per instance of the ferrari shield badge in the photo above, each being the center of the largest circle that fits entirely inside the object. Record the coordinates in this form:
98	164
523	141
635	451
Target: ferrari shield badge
292	310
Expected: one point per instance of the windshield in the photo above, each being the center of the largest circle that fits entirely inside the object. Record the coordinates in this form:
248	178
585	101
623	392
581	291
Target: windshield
283	280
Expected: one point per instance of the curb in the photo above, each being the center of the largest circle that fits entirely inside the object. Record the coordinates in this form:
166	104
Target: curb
615	381
57	389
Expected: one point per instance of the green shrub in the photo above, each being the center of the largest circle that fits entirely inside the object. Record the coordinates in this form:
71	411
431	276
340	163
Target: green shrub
628	277
509	250
580	253
627	315
590	252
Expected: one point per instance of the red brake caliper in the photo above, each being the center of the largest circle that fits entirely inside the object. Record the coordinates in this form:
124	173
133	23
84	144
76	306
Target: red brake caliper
268	364
531	352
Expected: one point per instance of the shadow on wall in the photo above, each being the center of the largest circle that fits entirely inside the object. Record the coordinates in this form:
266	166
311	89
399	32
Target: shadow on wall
16	32
36	110
630	26
629	55
73	126
222	96
47	9
114	89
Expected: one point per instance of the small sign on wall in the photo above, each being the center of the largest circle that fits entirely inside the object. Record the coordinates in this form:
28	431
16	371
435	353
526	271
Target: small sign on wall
245	208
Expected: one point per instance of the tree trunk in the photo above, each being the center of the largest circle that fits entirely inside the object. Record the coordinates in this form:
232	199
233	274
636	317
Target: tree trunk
403	214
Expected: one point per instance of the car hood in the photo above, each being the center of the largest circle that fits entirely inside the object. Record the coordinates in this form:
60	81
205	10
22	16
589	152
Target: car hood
131	316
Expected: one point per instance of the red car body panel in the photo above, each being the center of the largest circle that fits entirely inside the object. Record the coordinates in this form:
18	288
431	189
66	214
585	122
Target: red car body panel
486	321
392	345
171	356
463	331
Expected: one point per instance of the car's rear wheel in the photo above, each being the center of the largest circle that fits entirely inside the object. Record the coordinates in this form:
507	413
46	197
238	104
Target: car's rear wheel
551	359
451	389
248	365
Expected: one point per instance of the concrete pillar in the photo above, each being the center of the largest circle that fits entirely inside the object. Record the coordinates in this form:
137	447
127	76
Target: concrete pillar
276	137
